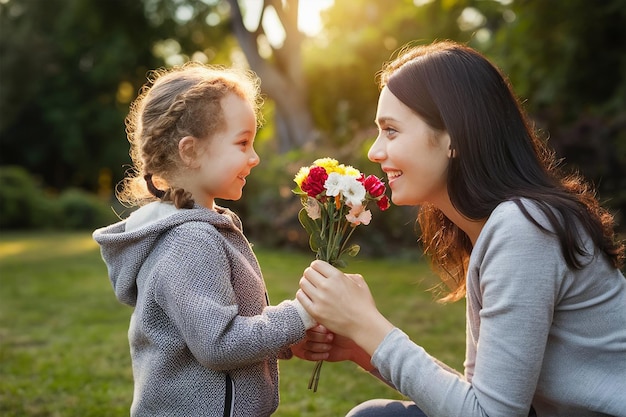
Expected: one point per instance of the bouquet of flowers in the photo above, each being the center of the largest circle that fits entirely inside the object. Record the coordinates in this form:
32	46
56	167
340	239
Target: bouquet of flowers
335	199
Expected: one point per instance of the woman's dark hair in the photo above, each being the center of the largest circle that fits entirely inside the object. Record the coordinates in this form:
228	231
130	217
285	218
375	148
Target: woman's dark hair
497	157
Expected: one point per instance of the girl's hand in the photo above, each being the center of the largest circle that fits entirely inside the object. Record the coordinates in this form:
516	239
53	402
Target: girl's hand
343	304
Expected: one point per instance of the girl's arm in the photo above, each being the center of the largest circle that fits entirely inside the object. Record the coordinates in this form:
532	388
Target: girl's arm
195	290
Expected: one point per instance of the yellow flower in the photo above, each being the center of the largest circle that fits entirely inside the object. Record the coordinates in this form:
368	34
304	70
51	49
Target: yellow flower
329	164
301	175
351	171
332	165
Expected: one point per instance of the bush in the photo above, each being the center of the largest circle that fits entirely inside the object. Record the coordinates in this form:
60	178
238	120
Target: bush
24	205
22	202
81	210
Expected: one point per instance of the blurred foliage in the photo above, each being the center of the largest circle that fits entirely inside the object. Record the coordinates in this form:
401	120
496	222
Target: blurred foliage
359	37
24	205
568	61
66	82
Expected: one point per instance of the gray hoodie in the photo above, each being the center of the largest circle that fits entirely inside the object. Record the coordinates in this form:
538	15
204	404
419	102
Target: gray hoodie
203	338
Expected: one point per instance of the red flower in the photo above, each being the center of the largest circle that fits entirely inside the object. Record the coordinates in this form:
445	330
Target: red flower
374	186
313	184
383	203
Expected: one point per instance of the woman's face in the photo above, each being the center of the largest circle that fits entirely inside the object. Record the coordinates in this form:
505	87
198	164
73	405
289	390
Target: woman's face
412	154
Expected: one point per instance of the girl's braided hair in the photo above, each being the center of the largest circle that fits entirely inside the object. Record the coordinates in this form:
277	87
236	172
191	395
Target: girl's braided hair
174	103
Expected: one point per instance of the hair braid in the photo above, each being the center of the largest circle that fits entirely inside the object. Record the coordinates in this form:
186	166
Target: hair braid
175	103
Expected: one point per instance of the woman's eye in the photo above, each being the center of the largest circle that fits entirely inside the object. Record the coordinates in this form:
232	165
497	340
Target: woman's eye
390	131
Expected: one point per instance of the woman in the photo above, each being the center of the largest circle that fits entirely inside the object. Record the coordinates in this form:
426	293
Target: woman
531	250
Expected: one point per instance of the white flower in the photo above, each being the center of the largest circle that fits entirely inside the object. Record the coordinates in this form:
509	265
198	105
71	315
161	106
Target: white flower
358	215
313	209
334	184
353	191
347	186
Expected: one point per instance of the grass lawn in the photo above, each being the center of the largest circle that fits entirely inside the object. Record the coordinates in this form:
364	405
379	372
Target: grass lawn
63	346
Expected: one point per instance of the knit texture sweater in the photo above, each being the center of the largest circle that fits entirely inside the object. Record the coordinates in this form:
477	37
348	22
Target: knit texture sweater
204	340
539	333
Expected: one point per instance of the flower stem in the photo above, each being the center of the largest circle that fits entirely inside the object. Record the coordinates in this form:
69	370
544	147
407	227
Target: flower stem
315	377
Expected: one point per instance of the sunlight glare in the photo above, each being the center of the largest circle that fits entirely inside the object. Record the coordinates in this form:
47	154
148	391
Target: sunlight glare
309	21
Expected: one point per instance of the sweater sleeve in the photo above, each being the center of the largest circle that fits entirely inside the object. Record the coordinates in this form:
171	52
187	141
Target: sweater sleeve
514	270
195	291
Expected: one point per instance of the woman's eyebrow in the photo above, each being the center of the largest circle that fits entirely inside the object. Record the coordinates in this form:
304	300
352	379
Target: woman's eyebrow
384	119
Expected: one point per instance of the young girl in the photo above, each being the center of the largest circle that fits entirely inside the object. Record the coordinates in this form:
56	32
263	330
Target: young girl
531	250
204	340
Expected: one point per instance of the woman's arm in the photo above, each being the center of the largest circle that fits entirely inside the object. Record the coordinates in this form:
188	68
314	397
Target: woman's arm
518	275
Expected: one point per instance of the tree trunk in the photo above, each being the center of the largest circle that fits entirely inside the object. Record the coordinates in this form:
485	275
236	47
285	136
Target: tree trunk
282	80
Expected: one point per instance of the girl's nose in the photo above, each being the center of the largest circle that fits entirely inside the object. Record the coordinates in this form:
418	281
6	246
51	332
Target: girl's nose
254	159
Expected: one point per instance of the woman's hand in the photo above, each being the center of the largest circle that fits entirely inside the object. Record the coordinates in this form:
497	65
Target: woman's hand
343	304
315	346
322	344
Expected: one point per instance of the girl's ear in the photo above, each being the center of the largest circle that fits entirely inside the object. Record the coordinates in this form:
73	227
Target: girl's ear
187	150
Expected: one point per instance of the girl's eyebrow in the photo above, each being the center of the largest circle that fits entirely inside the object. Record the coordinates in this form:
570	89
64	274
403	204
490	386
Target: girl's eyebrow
243	132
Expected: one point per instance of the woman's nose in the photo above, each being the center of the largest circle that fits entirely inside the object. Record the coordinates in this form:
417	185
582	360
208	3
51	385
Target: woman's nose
376	152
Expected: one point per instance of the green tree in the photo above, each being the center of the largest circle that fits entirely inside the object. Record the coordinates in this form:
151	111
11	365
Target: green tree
567	60
68	70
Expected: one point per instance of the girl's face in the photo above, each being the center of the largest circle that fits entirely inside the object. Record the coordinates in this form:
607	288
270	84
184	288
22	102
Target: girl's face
227	158
412	154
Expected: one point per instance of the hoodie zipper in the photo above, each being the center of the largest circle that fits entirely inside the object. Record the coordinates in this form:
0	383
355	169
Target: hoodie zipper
229	400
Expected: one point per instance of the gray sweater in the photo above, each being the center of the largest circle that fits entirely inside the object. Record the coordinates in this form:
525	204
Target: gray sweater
538	333
203	339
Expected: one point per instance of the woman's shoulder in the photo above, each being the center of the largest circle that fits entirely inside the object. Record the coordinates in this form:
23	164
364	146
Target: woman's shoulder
510	213
523	211
519	220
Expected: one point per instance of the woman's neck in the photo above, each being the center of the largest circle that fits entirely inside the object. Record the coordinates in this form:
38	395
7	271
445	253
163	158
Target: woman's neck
472	228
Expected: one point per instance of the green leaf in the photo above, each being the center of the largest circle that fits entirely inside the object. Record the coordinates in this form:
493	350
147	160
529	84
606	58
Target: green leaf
315	242
339	263
311	226
353	250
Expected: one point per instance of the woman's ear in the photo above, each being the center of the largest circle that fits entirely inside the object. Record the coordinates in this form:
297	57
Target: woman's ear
187	150
447	142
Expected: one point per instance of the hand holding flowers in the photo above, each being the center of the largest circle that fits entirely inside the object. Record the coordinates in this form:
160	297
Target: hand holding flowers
335	199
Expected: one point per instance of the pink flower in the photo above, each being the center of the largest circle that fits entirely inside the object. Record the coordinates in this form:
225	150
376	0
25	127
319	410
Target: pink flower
313	184
358	215
313	208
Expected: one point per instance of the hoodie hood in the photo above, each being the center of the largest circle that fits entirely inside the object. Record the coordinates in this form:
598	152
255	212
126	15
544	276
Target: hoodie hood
126	245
